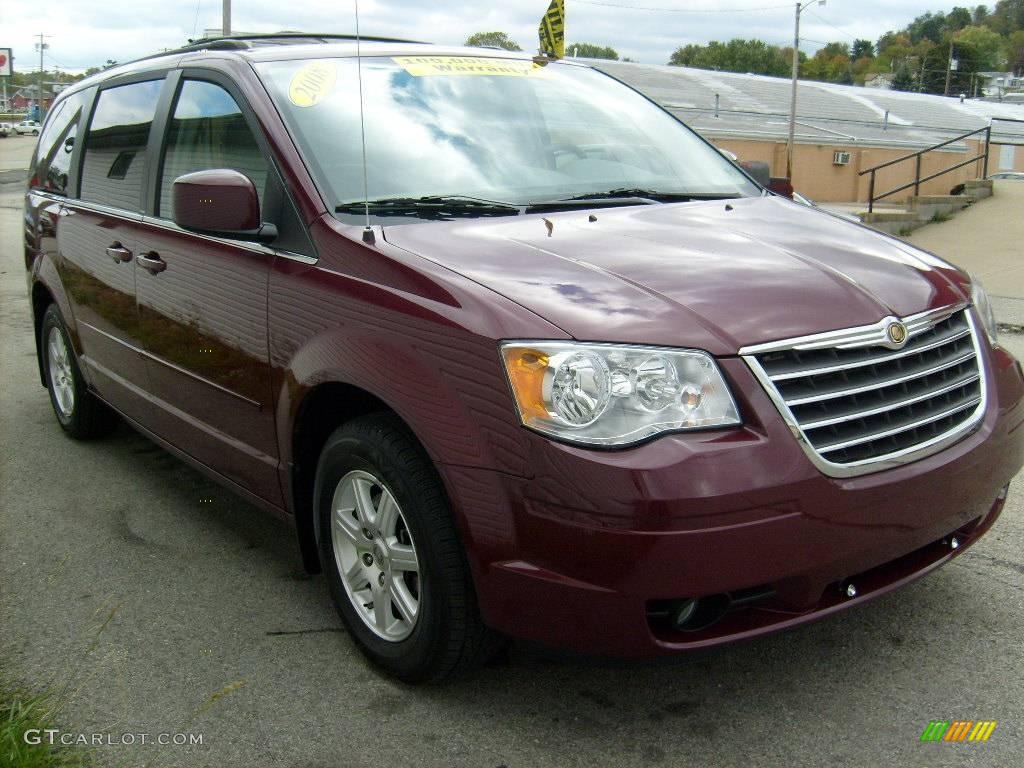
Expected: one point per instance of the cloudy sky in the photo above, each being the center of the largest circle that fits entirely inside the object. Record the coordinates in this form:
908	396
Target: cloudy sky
85	33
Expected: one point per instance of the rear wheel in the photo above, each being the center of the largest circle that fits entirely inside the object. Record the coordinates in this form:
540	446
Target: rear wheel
391	554
78	411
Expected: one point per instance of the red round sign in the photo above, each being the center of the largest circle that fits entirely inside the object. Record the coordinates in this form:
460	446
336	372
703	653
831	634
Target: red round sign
3	59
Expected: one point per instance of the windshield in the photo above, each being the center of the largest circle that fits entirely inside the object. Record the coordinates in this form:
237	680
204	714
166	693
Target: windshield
491	130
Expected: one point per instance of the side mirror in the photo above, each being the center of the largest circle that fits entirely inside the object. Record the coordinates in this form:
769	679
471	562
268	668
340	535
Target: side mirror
781	186
759	170
220	202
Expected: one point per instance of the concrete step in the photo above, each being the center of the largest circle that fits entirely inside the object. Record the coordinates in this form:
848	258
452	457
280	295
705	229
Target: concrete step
928	207
978	189
893	222
923	209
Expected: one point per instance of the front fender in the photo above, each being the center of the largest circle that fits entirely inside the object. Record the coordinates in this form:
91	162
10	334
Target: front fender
419	337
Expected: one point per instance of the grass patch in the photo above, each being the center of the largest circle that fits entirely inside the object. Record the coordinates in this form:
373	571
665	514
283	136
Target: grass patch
938	217
21	711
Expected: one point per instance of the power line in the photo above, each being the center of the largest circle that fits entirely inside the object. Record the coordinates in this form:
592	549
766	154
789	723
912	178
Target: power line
683	10
837	29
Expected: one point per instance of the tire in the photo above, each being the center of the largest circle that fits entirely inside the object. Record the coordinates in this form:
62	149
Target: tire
35	133
365	463
80	413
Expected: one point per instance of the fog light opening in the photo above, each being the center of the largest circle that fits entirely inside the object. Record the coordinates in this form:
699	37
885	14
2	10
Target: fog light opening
694	614
850	590
954	543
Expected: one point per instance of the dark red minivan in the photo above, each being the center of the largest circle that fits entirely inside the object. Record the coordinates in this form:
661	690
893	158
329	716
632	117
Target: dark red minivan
513	349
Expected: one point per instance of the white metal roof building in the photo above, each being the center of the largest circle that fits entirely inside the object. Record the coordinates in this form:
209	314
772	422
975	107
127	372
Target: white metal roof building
756	107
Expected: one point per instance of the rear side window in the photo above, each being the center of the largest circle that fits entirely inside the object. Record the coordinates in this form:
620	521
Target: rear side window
53	155
209	131
113	170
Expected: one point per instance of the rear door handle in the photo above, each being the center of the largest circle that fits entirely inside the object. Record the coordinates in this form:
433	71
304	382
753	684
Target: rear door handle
151	262
119	253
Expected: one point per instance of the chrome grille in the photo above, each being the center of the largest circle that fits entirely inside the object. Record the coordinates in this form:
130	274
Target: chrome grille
859	403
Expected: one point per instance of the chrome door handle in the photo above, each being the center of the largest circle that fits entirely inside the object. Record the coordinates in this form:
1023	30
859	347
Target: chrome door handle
119	253
151	262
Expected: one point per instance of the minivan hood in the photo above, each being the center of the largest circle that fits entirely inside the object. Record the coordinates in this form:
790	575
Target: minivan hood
716	275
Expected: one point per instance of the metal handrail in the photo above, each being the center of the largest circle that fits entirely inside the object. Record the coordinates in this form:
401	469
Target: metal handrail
916	156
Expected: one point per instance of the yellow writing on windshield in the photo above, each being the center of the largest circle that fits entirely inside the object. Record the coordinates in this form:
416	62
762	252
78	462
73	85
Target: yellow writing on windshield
426	66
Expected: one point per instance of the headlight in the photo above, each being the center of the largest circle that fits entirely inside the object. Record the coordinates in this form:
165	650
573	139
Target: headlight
603	394
983	306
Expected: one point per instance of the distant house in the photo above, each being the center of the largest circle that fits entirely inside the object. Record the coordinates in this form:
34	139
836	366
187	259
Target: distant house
881	80
25	97
998	83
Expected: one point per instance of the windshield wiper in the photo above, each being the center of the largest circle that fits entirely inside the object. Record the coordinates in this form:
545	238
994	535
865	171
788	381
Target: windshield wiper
431	205
652	195
626	196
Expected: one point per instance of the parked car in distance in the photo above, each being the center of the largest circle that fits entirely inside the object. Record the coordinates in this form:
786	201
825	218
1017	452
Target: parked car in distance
540	362
1009	175
30	127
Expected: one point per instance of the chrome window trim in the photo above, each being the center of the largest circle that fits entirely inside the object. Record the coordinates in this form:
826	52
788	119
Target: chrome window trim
870	335
167	224
170	226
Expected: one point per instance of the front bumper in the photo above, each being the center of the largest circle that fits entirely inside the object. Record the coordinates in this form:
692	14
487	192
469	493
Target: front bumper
582	551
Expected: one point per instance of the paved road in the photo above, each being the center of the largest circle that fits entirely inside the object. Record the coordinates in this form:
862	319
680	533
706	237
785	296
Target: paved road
215	631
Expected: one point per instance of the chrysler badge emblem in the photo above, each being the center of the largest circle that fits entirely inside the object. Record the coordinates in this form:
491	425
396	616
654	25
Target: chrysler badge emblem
897	333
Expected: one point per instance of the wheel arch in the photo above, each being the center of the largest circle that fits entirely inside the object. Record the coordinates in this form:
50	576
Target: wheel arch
322	410
41	299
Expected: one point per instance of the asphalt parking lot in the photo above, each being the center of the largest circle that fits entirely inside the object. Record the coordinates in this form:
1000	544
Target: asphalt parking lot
151	601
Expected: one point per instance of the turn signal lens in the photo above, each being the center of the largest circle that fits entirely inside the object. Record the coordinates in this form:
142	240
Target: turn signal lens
526	368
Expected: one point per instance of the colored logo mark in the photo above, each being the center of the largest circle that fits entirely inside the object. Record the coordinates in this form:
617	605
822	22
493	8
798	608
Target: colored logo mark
958	730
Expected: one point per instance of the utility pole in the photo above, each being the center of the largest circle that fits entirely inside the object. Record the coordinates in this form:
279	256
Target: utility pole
949	69
42	46
800	8
225	28
792	101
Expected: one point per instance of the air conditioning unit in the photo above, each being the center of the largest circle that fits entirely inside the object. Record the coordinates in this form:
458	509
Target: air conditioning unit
841	158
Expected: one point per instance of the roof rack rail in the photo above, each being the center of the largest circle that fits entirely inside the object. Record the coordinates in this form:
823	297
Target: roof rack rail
244	42
248	42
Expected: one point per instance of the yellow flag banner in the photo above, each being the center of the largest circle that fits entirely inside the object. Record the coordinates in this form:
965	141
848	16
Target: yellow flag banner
552	30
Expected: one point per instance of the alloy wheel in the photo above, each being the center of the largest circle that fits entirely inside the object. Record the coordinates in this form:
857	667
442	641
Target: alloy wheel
375	555
62	377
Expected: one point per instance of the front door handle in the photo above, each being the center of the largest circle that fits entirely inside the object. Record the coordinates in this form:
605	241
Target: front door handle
119	253
151	262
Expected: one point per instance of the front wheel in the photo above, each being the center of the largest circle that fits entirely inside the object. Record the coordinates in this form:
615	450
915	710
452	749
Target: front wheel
35	133
391	554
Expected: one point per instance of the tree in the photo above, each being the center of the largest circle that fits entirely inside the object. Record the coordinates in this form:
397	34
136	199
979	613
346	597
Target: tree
904	79
980	49
754	56
1015	52
862	49
930	26
591	51
1007	17
492	40
959	18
